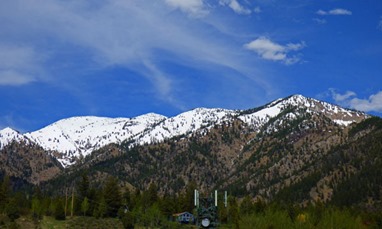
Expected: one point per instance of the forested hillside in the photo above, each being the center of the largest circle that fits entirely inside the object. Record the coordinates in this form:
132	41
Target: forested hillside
304	165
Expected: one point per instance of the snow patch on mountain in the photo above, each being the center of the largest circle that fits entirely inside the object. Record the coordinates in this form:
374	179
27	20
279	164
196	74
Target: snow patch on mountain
8	135
185	123
79	136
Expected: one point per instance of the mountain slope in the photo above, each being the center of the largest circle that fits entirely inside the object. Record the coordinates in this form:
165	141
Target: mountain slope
28	162
311	159
295	149
291	150
77	137
9	135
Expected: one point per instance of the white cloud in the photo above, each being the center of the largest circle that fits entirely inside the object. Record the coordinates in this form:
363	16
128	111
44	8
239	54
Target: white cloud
380	24
194	7
373	103
235	6
339	98
14	78
18	65
135	35
257	10
320	21
337	11
270	50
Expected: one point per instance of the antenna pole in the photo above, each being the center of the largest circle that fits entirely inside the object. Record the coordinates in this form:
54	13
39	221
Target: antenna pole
66	200
71	212
225	198
216	198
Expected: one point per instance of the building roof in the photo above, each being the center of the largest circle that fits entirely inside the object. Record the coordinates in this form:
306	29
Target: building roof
181	213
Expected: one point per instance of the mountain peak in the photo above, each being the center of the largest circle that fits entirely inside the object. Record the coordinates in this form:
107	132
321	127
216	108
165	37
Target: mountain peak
8	130
75	137
7	135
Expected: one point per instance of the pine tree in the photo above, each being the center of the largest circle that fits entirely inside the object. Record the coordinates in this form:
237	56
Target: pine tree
233	212
127	219
150	196
187	199
126	198
246	206
112	197
36	208
85	205
83	187
101	209
12	209
167	205
59	213
92	200
4	193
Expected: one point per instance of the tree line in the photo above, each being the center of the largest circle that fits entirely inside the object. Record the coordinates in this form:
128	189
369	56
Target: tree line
150	209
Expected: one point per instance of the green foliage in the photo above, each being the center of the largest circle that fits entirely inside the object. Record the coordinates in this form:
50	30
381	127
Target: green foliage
126	219
270	219
335	218
233	212
112	197
101	210
83	187
85	206
312	217
12	209
150	196
365	183
4	193
37	208
167	205
10	203
8	223
247	206
375	122
186	200
299	191
153	217
259	206
59	213
91	222
135	213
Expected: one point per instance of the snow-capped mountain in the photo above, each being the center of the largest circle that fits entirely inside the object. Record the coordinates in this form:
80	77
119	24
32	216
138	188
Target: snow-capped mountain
337	114
184	124
7	135
79	136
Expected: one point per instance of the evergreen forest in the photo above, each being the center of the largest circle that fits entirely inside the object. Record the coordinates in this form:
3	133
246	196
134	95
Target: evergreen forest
111	206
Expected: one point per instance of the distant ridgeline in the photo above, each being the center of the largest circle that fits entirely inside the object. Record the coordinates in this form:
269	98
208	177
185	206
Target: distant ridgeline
295	150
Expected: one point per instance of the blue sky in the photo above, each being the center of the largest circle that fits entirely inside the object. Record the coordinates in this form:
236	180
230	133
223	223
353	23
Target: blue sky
123	58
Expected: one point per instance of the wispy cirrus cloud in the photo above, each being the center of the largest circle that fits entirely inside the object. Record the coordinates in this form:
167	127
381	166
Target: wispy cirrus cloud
337	11
273	51
349	99
19	65
257	10
236	6
339	98
193	7
380	24
126	34
319	21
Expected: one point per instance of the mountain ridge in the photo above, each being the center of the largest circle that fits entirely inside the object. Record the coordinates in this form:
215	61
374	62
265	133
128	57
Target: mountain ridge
293	149
76	137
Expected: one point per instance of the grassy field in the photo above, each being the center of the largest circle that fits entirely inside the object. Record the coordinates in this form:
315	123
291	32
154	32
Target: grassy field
76	222
270	218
